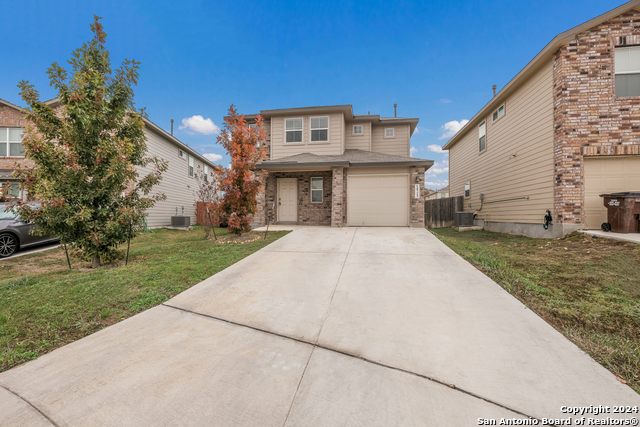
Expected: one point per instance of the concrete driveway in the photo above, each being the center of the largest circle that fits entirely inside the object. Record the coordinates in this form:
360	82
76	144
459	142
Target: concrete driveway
325	327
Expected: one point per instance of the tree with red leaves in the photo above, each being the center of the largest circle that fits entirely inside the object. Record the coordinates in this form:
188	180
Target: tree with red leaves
240	183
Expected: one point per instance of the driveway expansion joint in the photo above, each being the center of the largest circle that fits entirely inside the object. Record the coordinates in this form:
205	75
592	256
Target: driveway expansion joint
32	405
316	345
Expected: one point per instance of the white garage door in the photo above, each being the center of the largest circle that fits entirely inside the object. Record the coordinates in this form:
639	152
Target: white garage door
607	175
378	200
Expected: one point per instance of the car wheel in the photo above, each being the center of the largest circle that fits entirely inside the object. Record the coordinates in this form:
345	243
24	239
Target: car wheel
8	245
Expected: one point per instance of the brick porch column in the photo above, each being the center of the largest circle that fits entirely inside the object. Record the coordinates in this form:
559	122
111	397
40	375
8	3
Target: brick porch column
337	196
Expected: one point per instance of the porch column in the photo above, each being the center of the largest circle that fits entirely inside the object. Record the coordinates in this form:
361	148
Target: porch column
337	196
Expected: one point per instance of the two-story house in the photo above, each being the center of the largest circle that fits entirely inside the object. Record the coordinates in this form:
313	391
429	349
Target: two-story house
563	131
327	166
178	181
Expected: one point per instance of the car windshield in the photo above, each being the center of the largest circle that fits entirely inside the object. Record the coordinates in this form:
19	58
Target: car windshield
6	215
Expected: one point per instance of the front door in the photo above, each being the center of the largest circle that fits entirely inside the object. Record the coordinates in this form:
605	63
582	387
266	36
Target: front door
287	200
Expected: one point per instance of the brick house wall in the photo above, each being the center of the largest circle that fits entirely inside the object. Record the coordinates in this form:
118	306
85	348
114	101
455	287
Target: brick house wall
308	213
588	118
416	210
12	118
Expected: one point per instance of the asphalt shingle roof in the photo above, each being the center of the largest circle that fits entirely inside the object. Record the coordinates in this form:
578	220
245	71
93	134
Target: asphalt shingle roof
349	158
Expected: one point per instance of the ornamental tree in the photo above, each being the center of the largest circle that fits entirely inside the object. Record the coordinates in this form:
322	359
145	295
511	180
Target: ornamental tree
87	154
239	182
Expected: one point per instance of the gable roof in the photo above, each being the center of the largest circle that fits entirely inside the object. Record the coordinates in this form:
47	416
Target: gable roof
544	55
350	158
148	123
8	104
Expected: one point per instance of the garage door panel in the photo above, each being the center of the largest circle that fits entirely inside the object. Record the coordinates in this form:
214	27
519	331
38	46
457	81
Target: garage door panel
378	200
607	175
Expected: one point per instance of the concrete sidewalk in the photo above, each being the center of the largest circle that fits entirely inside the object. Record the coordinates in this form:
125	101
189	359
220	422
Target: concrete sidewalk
366	326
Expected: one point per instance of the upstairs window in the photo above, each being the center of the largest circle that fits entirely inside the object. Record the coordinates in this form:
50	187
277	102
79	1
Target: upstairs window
252	126
182	154
319	129
498	113
206	173
191	166
627	71
11	142
467	189
482	137
357	130
389	133
316	190
293	130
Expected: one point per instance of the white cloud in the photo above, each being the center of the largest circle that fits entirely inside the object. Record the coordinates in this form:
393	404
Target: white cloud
412	151
445	101
415	131
213	157
450	128
201	125
438	168
436	149
438	184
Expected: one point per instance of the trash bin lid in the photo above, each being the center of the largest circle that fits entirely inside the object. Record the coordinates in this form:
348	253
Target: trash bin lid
622	194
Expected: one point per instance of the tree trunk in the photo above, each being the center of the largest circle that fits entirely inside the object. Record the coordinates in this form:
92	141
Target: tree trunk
95	261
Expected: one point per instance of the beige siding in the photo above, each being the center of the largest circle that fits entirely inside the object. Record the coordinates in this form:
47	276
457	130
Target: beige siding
397	146
525	130
358	142
174	182
334	147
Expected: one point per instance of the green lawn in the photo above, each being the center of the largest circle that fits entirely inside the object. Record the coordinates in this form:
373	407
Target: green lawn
586	288
44	305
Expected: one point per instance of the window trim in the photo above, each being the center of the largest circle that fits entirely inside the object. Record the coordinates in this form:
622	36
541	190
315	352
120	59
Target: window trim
393	131
504	112
191	167
321	189
312	129
622	73
484	122
353	130
469	190
184	154
206	173
8	143
284	124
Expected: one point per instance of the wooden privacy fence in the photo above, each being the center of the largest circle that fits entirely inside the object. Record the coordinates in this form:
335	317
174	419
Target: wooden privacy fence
438	213
201	214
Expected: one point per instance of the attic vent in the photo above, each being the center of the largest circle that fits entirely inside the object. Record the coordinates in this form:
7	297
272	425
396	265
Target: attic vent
622	41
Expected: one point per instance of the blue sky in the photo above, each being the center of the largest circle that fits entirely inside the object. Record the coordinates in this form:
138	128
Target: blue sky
436	59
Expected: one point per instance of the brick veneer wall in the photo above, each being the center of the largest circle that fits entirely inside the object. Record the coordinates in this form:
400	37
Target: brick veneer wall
416	215
12	118
588	118
337	190
308	213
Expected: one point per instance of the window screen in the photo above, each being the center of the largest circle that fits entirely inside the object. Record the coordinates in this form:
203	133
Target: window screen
627	65
316	190
482	136
206	173
357	130
319	129
467	189
389	133
498	113
293	130
190	165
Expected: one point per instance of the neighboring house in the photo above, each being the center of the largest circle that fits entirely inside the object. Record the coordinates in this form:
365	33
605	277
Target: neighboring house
182	165
327	166
563	131
438	194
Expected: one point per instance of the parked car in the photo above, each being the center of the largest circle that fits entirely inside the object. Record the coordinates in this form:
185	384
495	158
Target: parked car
15	234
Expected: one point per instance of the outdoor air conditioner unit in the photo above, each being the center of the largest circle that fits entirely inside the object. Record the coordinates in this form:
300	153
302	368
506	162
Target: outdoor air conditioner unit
463	219
181	221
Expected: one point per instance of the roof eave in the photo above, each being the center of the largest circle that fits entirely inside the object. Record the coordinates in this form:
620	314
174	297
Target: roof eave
548	51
